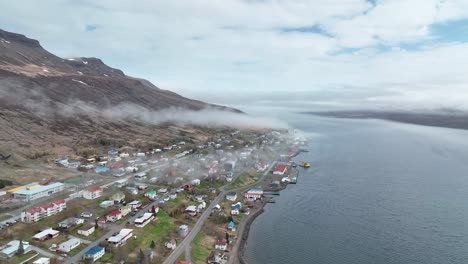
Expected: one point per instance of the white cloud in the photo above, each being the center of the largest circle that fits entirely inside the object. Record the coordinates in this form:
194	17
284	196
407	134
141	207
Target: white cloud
238	52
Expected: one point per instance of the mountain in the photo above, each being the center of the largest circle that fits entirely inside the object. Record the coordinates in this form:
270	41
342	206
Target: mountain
51	105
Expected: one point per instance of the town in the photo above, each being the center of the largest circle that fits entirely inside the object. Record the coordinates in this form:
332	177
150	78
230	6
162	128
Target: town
179	203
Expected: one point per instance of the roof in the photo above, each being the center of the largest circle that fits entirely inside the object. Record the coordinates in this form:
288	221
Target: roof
70	242
236	206
255	190
94	189
231	194
191	208
114	213
94	250
45	206
281	167
220	242
46	232
13	246
38	188
121	235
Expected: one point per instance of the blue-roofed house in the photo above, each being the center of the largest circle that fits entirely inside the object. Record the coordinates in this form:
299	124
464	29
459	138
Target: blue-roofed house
101	169
235	208
231	226
112	152
95	253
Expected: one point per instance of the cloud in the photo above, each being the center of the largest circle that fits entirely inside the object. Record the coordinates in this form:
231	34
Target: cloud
333	53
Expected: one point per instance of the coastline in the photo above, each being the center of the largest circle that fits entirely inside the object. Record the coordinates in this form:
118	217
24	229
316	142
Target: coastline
239	252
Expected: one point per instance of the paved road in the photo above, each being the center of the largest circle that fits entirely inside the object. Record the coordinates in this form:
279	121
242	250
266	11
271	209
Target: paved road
43	252
172	258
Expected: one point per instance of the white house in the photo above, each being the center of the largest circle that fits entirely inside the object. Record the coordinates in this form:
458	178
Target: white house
231	196
93	193
46	234
106	204
196	182
124	155
10	249
144	219
191	210
172	244
253	194
42	261
86	231
67	246
36	191
121	237
135	204
221	244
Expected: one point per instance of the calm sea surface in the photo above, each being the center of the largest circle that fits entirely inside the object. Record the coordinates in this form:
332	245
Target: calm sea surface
377	192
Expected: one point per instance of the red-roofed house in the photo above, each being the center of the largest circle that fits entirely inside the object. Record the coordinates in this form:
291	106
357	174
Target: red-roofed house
114	216
221	244
92	193
280	169
37	213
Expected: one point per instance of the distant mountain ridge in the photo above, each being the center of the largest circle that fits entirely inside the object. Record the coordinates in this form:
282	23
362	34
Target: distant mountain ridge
36	85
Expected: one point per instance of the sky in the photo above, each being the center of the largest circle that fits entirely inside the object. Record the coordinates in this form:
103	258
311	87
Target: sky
308	55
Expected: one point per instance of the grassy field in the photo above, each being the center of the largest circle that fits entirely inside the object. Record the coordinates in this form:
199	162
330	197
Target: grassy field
243	180
19	259
201	246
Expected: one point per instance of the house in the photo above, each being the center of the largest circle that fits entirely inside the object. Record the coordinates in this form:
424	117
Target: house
191	210
151	194
280	169
253	194
142	186
68	245
201	206
37	213
10	249
46	234
196	182
135	204
231	226
171	244
118	197
73	164
215	258
93	193
183	230
125	210
131	169
101	169
87	230
235	208
112	152
221	244
121	237
148	254
95	253
231	196
162	190
132	190
173	195
114	216
155	209
106	204
124	155
86	214
144	219
70	222
140	154
140	176
42	261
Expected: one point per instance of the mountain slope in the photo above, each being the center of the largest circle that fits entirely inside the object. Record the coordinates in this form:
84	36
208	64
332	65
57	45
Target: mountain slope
54	105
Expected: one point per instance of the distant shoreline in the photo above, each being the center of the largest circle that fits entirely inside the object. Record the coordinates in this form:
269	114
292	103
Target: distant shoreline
447	120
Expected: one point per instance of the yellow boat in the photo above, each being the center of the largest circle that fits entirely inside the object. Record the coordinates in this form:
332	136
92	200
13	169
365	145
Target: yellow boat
304	164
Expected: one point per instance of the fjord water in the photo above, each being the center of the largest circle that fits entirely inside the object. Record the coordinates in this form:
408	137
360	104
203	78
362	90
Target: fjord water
377	192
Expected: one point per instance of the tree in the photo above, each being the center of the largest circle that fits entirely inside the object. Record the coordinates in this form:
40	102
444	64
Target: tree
153	210
20	248
152	245
96	225
227	237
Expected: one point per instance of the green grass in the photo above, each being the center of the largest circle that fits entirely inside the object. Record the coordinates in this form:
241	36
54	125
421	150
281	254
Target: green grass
73	179
107	258
243	180
201	248
76	250
19	259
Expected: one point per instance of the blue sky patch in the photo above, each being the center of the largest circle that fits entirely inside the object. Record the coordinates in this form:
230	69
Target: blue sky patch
91	27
